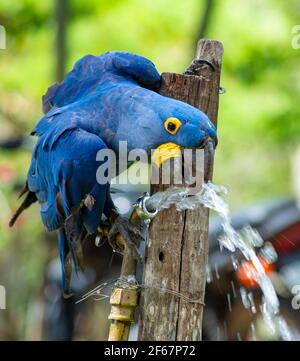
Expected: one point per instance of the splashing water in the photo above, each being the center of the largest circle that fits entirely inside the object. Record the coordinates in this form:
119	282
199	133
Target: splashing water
211	196
253	331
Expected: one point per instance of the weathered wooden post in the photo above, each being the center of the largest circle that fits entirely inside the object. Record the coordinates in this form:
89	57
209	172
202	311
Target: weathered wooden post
177	257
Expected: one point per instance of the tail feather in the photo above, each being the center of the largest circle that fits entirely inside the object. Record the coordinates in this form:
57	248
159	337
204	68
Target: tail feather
30	198
24	190
74	232
66	264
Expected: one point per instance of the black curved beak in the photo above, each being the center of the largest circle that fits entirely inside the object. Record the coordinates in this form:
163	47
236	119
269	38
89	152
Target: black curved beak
209	154
213	141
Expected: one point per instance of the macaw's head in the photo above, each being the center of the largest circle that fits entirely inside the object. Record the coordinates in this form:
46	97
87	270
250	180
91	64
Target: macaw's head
183	126
166	125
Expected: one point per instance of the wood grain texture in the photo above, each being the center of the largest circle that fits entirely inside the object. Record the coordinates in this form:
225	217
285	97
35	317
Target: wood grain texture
176	256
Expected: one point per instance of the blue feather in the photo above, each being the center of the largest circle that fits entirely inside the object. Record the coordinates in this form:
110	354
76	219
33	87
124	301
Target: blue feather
104	100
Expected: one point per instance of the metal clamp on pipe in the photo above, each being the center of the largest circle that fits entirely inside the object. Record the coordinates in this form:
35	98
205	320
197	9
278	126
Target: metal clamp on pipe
141	208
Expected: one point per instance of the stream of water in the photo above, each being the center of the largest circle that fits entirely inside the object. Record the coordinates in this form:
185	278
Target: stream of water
246	240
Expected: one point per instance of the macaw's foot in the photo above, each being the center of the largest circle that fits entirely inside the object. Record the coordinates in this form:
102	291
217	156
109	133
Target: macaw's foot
196	66
124	234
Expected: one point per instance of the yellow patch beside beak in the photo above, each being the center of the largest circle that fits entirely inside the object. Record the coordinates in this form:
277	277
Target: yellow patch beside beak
165	151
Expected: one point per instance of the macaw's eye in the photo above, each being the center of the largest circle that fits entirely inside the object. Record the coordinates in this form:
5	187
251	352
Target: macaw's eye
172	125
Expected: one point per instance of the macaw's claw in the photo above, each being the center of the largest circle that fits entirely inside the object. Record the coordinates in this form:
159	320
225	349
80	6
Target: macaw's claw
131	237
196	66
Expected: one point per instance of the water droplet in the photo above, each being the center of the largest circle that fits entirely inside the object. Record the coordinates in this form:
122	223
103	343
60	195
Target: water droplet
235	262
217	271
253	332
251	301
269	253
233	289
229	302
244	297
208	274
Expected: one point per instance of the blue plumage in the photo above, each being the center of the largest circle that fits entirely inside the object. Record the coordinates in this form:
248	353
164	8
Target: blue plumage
102	101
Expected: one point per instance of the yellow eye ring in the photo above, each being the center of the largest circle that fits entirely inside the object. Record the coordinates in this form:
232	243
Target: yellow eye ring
172	125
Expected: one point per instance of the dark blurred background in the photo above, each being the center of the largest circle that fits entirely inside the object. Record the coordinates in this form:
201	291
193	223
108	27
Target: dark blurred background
258	117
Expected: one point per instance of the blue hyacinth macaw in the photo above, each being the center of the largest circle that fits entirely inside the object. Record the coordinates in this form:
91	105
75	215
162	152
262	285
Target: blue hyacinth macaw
104	100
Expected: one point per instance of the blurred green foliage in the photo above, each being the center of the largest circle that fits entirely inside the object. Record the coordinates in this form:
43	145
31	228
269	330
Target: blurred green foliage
258	117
